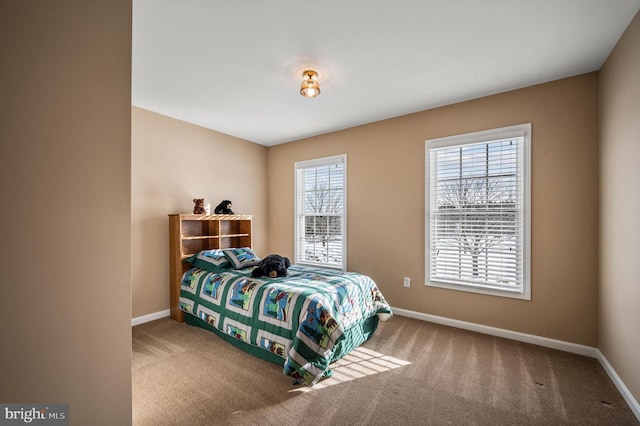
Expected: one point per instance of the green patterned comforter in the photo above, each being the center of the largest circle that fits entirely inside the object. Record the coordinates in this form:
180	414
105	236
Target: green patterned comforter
310	318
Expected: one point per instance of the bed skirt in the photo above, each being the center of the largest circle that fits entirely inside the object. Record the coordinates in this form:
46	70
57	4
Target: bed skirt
355	336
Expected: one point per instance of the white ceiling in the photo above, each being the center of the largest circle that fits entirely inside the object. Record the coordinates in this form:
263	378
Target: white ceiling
235	65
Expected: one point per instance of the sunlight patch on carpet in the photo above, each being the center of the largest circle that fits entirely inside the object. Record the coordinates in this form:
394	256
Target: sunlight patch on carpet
361	362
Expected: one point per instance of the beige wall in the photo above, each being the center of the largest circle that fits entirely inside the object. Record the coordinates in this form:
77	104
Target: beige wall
65	135
385	163
619	338
173	162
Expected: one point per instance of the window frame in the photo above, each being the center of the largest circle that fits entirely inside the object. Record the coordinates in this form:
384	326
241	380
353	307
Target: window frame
299	224
516	131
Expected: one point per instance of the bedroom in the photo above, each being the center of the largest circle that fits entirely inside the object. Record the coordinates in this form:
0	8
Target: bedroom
592	322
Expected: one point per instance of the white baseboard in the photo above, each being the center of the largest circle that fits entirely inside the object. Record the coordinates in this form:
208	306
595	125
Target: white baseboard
500	332
624	391
150	317
535	340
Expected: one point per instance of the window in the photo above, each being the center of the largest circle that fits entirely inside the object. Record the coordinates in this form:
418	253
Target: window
478	212
321	236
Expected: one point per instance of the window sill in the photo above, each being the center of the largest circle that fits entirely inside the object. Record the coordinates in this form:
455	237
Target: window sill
471	288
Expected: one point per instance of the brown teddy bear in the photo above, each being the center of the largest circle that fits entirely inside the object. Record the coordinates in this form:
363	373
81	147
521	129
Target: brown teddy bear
199	206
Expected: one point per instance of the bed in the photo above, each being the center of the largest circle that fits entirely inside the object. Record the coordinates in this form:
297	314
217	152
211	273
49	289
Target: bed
304	321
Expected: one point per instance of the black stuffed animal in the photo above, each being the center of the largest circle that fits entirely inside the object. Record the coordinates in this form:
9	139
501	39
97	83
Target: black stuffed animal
224	208
272	266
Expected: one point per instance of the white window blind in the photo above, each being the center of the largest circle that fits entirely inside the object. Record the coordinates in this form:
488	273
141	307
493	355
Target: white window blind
478	212
320	212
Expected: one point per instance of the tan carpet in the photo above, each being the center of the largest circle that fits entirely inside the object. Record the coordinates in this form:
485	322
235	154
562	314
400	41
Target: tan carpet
410	373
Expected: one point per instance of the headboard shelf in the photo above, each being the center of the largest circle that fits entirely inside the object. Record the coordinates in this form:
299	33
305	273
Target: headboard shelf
191	233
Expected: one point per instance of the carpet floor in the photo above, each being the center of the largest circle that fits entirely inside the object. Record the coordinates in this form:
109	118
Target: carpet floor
410	373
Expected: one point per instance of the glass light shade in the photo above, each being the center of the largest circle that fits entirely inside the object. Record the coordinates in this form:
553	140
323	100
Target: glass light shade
309	89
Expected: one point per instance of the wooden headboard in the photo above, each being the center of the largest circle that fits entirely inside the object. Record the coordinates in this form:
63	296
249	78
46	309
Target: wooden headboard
190	233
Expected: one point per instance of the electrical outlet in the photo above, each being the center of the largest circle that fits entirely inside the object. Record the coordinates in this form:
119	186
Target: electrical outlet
407	282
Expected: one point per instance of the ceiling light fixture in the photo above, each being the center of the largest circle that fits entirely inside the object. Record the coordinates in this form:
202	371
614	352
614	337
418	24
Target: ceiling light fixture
310	88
